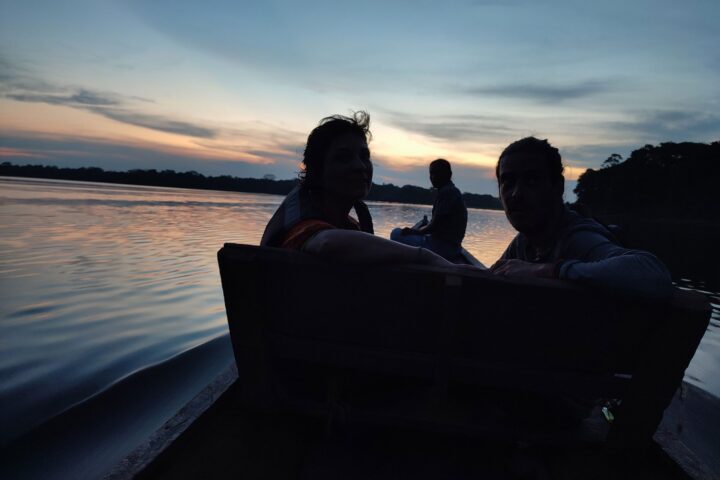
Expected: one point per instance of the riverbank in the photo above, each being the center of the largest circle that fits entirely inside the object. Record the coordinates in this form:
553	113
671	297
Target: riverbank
409	194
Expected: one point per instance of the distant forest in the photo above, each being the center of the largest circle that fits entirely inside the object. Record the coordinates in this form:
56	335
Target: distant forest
668	181
192	179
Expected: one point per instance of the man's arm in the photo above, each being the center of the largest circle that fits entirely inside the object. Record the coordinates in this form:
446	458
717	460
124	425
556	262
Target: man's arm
446	202
424	230
611	266
359	247
602	264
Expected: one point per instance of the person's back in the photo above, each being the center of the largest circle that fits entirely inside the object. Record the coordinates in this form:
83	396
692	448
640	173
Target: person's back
449	214
445	231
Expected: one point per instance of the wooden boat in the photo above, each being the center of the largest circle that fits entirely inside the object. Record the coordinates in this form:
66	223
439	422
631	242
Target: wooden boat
410	371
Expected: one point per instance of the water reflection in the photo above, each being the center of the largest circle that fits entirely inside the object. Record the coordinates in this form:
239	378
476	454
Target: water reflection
487	235
99	281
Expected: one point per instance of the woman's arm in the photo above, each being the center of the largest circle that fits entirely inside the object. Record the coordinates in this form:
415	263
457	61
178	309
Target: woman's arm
360	247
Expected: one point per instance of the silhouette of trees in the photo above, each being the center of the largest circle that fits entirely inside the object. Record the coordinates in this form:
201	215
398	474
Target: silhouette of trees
612	160
193	179
671	180
418	195
164	178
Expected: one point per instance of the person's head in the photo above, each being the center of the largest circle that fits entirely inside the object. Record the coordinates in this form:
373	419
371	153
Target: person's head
337	158
440	172
531	184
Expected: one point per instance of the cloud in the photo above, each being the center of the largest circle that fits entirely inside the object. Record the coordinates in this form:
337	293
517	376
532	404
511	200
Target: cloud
86	97
22	87
644	128
250	142
156	122
581	157
15	153
109	106
672	125
458	128
21	147
259	143
80	98
544	93
14	78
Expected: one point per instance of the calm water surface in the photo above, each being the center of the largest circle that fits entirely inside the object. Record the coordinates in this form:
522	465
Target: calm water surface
112	317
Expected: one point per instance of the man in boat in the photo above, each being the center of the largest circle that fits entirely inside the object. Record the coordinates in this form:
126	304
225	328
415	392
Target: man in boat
336	176
445	232
556	242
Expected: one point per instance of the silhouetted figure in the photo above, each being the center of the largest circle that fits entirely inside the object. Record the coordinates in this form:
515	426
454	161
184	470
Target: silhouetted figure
337	175
556	242
446	229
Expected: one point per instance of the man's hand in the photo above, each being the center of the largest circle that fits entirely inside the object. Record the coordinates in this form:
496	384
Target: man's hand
520	268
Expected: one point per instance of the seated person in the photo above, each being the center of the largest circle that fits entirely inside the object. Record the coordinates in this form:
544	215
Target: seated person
337	175
445	232
556	242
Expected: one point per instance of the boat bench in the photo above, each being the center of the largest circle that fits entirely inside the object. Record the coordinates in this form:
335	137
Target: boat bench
424	347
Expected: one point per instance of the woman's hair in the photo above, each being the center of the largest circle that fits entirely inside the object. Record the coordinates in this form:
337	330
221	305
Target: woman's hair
323	135
550	154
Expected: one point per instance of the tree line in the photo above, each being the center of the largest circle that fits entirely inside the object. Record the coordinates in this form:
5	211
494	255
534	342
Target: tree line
192	179
670	181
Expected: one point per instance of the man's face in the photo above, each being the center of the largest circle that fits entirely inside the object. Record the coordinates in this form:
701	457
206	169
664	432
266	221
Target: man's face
348	171
527	192
438	176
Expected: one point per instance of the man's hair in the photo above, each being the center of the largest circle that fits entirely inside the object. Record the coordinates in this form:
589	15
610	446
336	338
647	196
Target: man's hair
443	165
532	145
323	135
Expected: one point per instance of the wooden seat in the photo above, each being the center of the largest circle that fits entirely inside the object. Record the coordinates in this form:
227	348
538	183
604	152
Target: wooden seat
427	347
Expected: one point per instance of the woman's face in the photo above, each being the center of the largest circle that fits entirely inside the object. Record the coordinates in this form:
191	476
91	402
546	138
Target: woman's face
347	169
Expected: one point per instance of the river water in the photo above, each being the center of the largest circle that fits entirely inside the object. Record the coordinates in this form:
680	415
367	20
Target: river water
112	316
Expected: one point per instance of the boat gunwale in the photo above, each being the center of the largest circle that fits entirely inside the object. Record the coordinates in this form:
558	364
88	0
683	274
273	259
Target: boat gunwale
142	456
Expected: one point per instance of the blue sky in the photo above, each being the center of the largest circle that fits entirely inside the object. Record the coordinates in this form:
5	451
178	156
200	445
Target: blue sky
235	87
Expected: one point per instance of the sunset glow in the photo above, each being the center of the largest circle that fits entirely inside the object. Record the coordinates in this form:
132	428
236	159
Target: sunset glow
235	88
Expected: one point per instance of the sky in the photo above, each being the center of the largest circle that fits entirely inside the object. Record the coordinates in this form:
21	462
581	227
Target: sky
228	87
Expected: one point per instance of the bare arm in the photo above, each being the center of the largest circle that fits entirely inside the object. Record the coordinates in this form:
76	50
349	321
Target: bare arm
360	247
423	230
430	227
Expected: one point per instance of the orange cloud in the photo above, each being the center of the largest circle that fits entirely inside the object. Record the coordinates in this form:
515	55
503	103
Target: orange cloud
14	152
